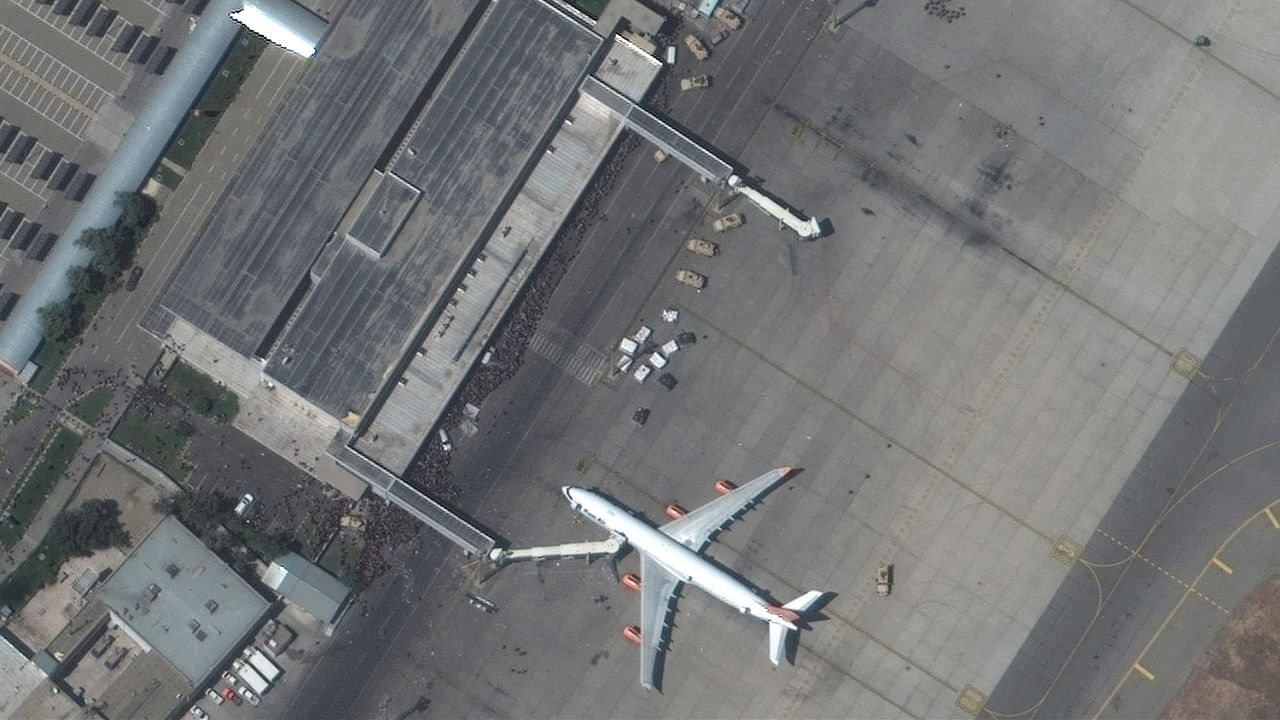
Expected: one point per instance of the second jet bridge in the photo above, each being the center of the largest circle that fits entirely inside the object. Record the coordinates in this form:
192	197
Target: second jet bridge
659	132
694	155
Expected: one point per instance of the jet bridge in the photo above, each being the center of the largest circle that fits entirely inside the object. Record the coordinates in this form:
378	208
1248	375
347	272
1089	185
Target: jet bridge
694	155
504	556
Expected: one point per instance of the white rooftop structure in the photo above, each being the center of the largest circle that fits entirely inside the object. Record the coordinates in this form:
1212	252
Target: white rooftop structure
284	23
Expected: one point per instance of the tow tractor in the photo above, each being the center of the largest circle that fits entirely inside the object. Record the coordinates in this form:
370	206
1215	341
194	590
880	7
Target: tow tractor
883	578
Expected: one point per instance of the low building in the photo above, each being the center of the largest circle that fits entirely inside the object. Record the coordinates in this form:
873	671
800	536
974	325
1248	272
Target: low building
159	628
308	586
26	690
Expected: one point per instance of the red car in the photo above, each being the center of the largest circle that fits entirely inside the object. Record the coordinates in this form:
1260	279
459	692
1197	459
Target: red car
231	695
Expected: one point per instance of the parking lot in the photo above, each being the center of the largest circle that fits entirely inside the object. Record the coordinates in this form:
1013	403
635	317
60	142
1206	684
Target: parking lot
47	84
306	642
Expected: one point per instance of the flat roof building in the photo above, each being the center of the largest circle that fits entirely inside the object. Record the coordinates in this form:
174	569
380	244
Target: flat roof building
179	600
308	586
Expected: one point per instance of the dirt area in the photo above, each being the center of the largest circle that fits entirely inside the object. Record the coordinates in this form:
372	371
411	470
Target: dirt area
52	608
109	478
1237	676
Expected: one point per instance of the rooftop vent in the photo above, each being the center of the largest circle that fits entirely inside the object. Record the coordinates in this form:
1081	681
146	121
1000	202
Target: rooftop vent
211	606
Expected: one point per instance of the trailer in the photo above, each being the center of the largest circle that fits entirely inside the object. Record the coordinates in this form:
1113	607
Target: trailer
269	670
250	676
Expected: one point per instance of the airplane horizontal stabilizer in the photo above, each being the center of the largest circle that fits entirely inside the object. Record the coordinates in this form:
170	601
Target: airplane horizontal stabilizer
780	634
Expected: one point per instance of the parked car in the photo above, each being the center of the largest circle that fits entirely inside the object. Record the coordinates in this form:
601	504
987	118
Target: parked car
687	338
213	696
231	695
132	283
199	712
242	509
640	416
696	82
668	381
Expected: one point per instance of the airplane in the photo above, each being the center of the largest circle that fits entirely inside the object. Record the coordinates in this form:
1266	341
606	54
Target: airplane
672	554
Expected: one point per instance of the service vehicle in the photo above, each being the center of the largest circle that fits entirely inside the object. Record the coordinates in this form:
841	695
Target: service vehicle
696	47
728	222
669	348
624	363
628	346
640	416
642	334
267	669
691	278
658	361
642	373
687	338
251	678
671	54
668	381
730	19
696	82
699	246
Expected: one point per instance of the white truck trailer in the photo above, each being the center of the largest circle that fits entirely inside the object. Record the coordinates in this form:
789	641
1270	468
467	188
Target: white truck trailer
251	678
269	670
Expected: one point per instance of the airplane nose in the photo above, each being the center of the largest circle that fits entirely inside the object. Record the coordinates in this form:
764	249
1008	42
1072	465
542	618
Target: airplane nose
564	490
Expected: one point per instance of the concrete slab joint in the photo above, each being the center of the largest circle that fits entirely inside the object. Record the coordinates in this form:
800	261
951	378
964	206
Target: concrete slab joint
971	700
1067	550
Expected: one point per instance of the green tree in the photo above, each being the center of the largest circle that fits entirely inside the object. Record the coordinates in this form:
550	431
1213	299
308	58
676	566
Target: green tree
93	526
60	320
137	211
84	280
201	511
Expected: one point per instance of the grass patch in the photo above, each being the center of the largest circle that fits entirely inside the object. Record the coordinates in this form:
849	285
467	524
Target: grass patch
74	534
53	352
59	448
92	404
341	557
217	97
201	393
590	7
156	440
167	176
21	409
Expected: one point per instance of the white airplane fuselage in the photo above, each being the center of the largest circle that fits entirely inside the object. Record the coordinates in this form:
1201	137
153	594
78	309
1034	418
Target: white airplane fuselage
680	561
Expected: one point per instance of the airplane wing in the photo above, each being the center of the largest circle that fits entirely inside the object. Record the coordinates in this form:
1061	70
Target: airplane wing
657	590
698	528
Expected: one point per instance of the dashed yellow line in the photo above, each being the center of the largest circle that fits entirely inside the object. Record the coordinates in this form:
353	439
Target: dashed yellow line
1144	672
1167	574
1223	566
1275	523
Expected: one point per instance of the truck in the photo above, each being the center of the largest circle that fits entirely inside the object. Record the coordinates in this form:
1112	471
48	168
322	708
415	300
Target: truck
695	82
250	676
727	222
696	47
269	670
691	278
701	247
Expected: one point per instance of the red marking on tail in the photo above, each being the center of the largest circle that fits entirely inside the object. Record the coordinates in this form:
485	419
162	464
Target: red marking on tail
784	613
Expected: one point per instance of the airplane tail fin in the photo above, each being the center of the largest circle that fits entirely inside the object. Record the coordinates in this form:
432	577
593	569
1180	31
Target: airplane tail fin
780	634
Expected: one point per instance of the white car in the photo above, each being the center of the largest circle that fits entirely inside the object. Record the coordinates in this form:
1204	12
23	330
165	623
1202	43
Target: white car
445	441
213	696
246	502
249	695
199	712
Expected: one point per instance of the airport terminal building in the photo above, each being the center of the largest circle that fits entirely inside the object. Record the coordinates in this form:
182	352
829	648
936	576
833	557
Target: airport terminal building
355	269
